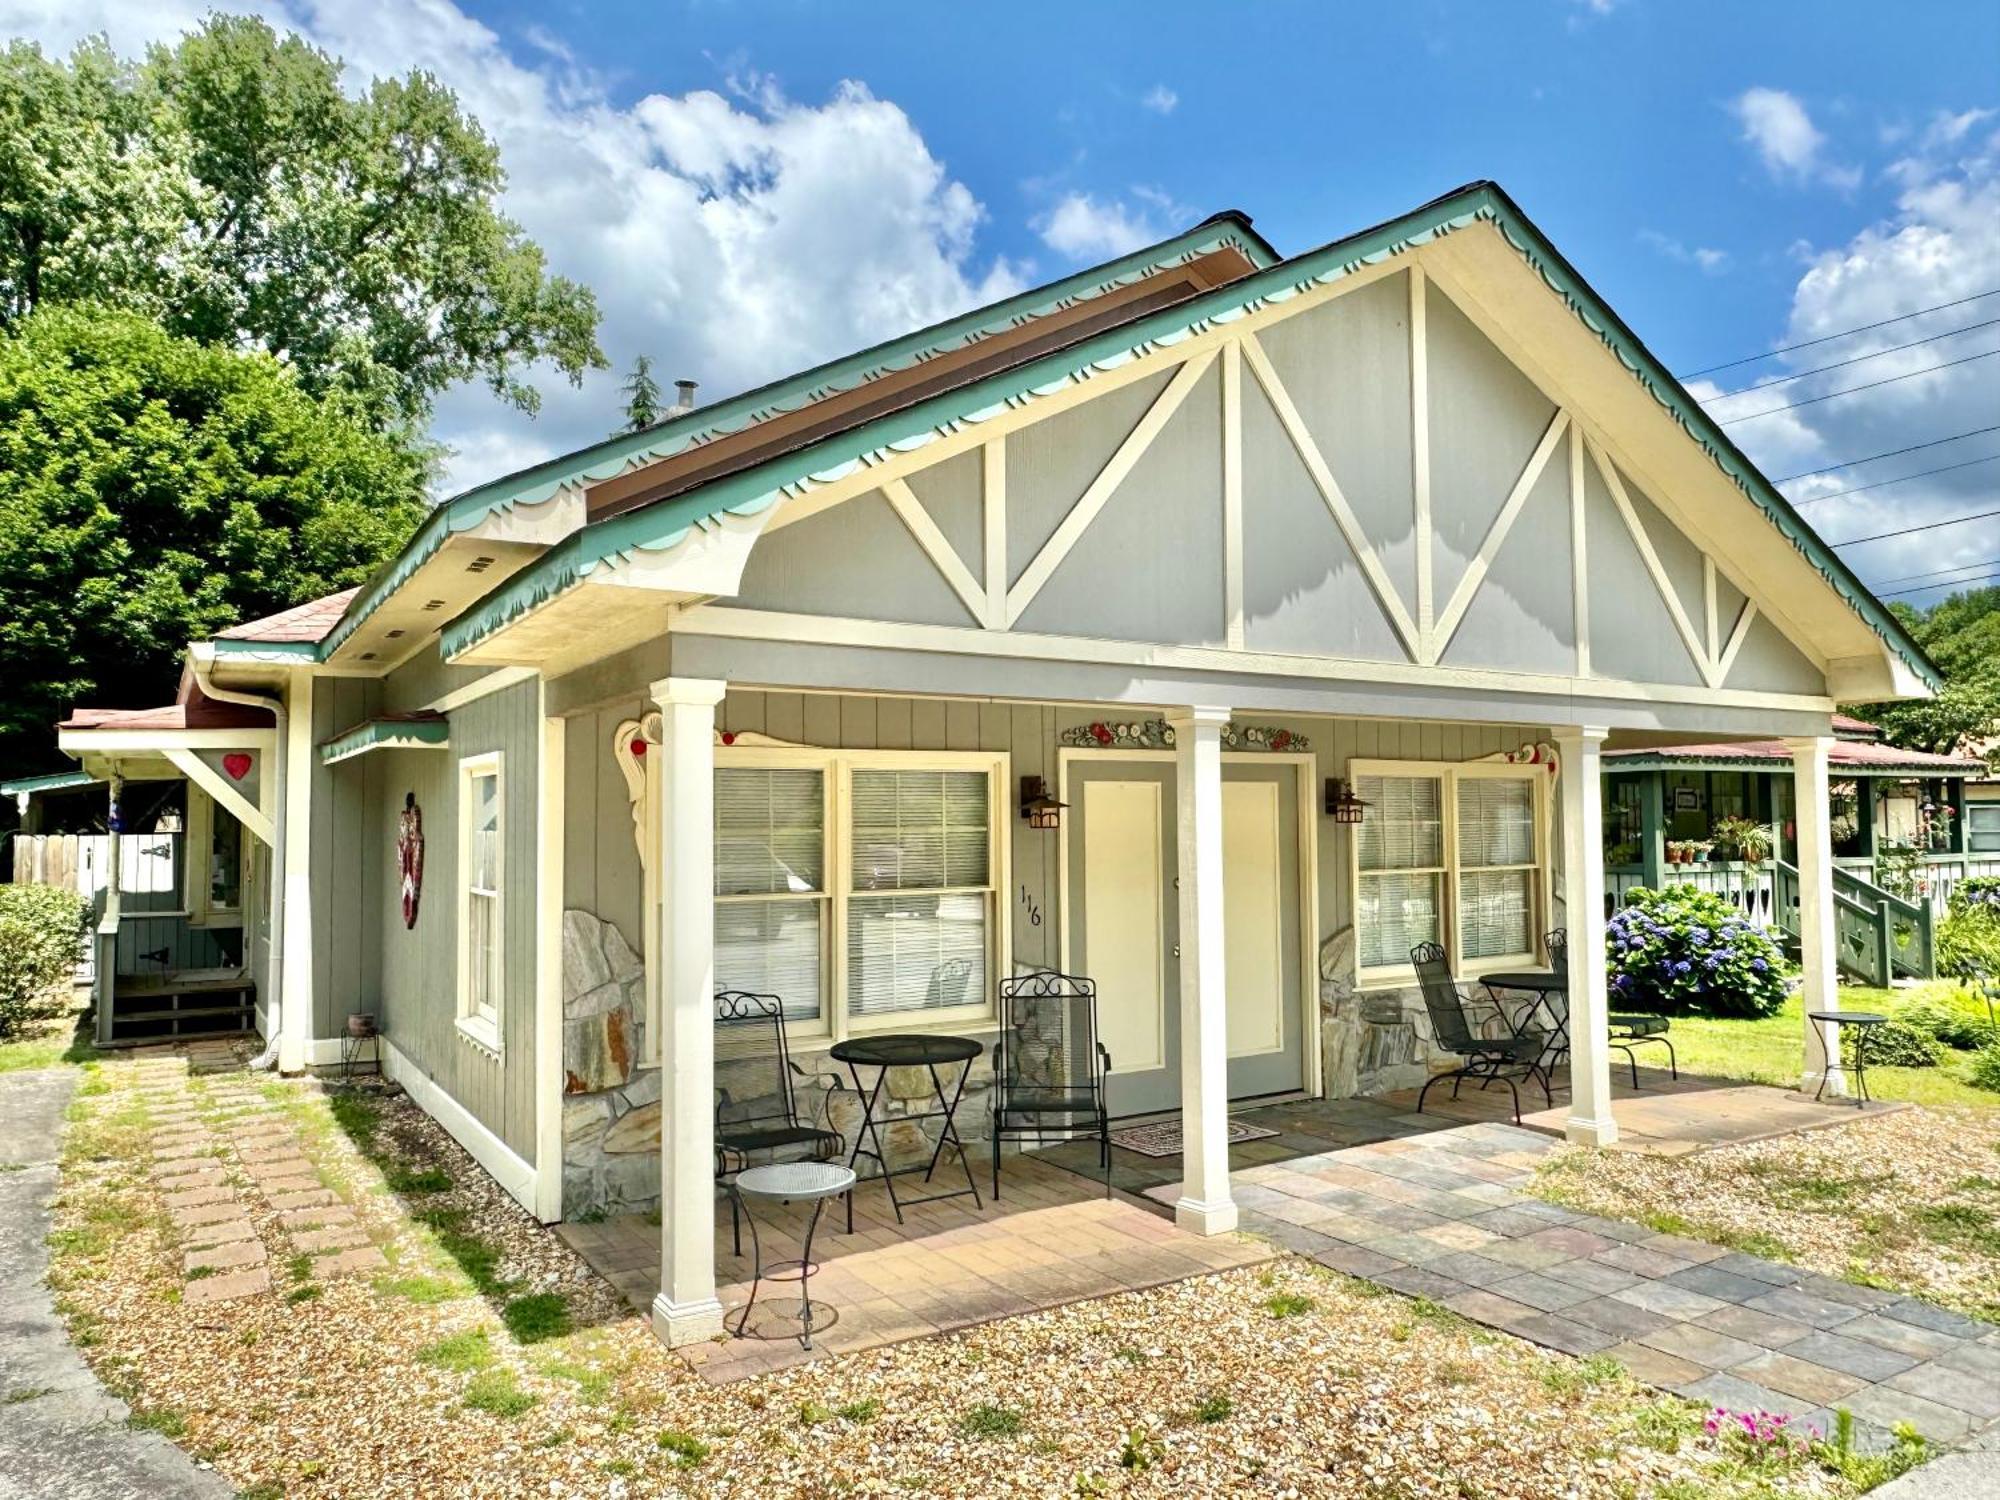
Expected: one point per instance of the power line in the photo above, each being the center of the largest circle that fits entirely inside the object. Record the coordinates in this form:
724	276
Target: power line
1991	562
1882	536
1751	359
1841	364
1855	463
1900	479
1857	389
1927	587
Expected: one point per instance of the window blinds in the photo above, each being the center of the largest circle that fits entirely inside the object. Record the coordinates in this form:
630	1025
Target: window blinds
1496	855
917	921
770	878
919	830
1403	828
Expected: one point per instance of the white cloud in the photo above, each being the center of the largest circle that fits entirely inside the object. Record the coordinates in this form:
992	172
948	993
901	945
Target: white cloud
1940	242
1084	228
1790	146
1710	262
733	239
1160	99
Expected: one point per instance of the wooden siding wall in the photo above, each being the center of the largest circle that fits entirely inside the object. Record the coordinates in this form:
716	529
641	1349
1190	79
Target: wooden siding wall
416	969
345	846
602	874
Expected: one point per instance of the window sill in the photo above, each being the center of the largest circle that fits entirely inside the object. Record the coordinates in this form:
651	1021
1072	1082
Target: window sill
481	1033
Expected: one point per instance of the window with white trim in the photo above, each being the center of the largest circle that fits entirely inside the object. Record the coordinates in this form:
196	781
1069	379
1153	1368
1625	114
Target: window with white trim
1982	827
481	914
860	887
1449	854
214	859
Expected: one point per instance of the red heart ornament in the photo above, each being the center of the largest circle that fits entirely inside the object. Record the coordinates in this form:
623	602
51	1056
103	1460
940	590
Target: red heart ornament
237	764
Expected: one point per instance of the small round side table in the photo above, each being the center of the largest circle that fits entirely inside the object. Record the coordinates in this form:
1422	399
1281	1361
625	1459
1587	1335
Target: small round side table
784	1182
1862	1020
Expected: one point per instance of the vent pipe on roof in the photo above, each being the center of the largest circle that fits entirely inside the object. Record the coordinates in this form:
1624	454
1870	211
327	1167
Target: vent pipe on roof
683	398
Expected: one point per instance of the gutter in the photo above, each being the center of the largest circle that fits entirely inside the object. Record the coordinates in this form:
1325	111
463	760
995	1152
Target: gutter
201	661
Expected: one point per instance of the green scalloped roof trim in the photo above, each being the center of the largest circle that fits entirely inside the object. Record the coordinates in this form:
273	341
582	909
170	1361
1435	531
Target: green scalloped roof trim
384	734
266	650
665	525
1621	761
541	483
55	781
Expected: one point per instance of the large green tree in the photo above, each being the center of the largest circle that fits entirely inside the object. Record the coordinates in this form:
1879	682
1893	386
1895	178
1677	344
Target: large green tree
154	489
1962	635
230	188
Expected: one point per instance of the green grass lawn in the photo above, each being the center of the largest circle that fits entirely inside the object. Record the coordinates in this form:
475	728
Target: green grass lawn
52	1039
1772	1050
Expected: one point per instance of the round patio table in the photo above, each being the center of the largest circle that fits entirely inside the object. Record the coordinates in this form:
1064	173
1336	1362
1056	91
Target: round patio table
786	1182
1862	1020
1543	984
909	1050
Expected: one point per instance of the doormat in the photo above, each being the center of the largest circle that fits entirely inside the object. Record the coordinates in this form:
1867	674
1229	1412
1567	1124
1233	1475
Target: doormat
1163	1137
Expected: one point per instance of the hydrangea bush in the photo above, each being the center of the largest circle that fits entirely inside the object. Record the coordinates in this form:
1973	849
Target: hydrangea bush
1684	949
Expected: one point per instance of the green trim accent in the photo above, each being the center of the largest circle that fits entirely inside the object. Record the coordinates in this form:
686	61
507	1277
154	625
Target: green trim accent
541	482
1888	769
55	781
386	734
664	525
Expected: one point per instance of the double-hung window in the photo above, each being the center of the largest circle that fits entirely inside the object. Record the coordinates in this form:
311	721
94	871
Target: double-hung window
481	933
1449	854
1982	827
861	888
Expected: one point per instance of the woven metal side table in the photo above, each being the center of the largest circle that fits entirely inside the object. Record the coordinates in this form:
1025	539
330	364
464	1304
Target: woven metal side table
787	1182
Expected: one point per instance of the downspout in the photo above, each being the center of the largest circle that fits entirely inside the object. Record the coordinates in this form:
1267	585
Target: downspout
201	658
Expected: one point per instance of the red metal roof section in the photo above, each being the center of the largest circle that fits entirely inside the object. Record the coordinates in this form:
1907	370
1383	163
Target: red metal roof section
196	710
1848	724
309	623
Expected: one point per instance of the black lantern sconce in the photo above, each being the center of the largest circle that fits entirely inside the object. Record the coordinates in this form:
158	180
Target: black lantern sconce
1037	806
1342	805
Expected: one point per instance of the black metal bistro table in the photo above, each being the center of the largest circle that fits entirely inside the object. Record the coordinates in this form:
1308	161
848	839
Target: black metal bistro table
1544	985
913	1050
1829	1023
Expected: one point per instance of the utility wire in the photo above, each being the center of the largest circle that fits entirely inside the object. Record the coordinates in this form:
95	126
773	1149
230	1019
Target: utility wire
1901	479
1751	359
1841	364
1924	588
1991	562
1856	389
1855	463
1883	536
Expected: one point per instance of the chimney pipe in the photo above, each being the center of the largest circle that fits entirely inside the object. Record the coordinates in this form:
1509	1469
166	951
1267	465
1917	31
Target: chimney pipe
684	399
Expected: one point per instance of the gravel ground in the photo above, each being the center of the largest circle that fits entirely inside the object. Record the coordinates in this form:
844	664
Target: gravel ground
1909	1200
1279	1381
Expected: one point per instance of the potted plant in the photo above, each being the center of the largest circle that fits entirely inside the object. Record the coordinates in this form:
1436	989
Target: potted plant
1742	839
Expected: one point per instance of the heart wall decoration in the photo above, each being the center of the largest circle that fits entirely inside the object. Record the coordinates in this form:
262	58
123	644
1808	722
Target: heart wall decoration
236	765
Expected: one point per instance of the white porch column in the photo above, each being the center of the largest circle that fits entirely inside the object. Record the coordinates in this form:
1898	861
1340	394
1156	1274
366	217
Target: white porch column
1820	986
686	1310
1205	1205
1590	1120
296	1001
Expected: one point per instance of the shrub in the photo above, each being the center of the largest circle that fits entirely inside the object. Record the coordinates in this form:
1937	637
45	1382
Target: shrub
1985	1072
1952	1014
1682	949
1968	939
41	943
1895	1044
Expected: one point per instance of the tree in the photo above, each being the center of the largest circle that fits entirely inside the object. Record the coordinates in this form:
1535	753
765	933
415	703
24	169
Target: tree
228	187
153	490
1962	635
642	397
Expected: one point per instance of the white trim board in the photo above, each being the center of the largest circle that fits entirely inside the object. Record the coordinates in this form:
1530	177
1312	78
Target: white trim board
513	1174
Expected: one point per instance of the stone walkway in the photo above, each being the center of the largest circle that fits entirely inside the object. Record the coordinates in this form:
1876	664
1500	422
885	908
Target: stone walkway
239	1188
62	1435
1435	1213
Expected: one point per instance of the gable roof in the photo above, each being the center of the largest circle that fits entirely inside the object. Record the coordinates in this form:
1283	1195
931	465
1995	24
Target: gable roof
747	491
308	622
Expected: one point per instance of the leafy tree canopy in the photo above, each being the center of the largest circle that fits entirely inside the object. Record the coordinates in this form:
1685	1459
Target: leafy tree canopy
1962	635
155	489
228	187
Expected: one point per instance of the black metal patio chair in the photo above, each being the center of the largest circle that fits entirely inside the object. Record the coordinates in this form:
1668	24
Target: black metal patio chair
756	1112
1486	1059
1629	1028
1049	1068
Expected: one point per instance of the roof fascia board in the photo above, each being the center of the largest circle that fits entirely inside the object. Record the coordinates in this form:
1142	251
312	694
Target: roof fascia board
1643	761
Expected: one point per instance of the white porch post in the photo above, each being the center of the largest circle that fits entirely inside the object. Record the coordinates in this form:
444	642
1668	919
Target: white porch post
686	1310
1590	1120
296	1001
1820	986
1205	1205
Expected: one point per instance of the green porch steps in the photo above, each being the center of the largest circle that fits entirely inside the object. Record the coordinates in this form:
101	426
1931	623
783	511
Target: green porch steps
1879	937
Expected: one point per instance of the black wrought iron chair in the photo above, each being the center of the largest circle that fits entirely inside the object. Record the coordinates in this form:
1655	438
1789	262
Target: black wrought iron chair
1049	1068
757	1113
1629	1028
1486	1059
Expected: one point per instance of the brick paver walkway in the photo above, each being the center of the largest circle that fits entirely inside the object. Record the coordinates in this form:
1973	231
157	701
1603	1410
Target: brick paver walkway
245	1198
1438	1215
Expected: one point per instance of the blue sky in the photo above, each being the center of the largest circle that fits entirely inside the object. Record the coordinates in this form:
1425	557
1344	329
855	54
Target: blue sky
751	188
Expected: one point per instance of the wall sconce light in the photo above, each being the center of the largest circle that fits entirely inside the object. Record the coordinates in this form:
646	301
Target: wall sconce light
1037	806
1342	805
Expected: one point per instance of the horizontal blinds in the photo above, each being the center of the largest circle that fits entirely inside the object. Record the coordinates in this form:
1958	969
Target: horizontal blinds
773	948
1394	913
1493	912
915	952
770	831
1496	822
1403	826
920	830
